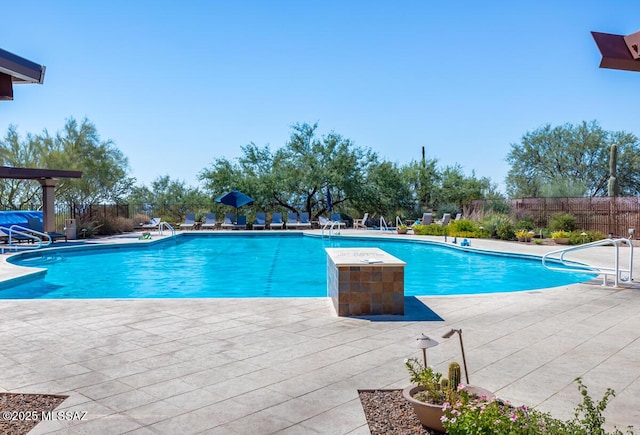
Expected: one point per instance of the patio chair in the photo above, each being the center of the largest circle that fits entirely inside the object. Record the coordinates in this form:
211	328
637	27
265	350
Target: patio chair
337	220
361	223
458	216
209	222
427	219
36	225
261	221
276	221
189	221
229	221
153	224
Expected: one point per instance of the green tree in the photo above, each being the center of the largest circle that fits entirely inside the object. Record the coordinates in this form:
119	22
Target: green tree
461	190
77	147
568	156
423	179
168	198
296	176
14	152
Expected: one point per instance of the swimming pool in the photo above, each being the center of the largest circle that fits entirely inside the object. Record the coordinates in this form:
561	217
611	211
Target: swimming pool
265	266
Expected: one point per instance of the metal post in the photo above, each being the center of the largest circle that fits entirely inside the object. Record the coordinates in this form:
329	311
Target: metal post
464	359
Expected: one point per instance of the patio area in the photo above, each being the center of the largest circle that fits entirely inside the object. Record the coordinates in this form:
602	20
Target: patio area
160	366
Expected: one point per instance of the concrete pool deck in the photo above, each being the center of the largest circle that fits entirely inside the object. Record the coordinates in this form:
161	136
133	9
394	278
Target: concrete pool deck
163	366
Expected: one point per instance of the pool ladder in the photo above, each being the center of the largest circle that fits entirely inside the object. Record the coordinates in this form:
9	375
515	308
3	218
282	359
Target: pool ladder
617	271
166	225
330	225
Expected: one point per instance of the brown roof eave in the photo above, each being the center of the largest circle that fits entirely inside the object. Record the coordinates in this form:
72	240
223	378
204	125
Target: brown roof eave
34	173
20	69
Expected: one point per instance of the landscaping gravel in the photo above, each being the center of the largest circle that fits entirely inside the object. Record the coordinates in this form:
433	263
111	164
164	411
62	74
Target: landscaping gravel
22	412
388	412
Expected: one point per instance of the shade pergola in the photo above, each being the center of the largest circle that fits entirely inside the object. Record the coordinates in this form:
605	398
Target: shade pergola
16	69
48	178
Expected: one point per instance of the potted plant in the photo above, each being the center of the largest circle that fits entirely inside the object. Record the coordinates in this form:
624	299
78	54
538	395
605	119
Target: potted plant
430	391
561	237
402	229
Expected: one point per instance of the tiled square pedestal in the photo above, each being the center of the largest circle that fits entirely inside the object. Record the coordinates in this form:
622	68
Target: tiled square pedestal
364	281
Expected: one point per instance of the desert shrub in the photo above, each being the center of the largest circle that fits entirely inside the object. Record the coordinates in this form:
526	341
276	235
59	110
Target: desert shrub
493	221
505	231
526	223
463	228
140	218
113	225
562	221
576	237
463	225
430	230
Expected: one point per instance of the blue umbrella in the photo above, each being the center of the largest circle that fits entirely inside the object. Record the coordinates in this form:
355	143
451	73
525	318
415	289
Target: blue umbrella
236	199
329	203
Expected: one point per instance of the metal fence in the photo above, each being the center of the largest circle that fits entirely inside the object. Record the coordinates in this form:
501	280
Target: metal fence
88	212
609	215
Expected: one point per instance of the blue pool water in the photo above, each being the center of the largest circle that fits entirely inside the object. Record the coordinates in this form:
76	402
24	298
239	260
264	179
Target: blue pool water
266	266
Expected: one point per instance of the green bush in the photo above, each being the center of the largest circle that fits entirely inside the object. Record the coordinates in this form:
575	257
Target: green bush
526	223
493	221
431	230
576	237
562	221
463	228
470	415
505	231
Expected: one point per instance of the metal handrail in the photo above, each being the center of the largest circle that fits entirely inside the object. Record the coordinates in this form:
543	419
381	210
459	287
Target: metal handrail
383	224
169	227
331	224
574	267
28	233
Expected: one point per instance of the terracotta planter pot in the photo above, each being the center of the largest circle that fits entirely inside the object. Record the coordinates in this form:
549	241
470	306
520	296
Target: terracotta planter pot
561	241
402	230
430	414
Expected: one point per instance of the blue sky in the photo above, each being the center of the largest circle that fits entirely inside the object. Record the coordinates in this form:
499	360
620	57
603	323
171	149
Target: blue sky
177	84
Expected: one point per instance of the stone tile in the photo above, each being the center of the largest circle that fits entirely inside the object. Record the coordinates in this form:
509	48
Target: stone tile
128	400
153	412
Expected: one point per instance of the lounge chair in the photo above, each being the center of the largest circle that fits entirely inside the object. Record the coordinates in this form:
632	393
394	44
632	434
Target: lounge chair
209	222
189	221
361	223
446	218
337	220
292	220
36	225
241	224
153	224
276	221
261	222
229	221
427	219
304	220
